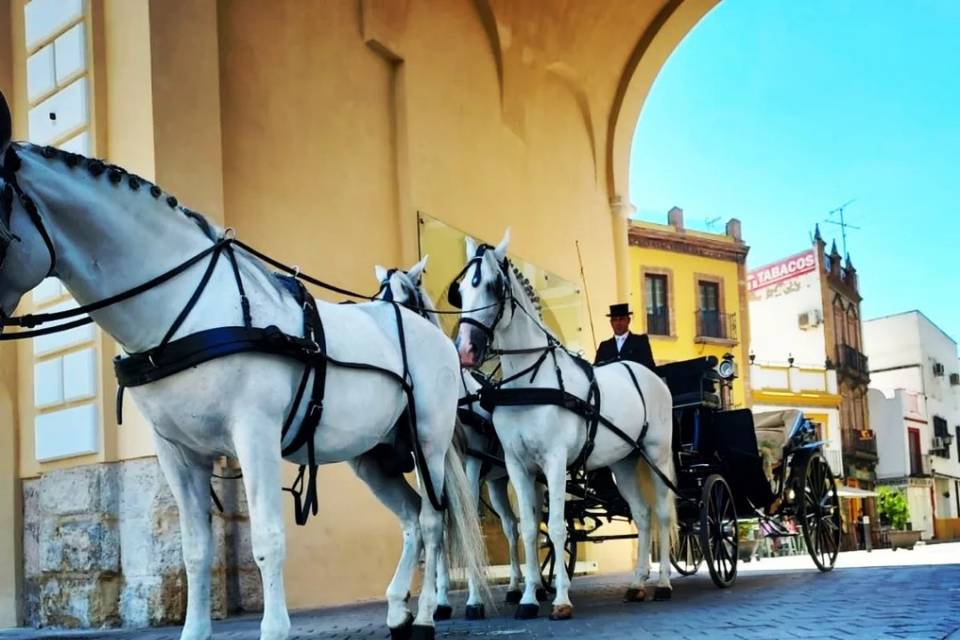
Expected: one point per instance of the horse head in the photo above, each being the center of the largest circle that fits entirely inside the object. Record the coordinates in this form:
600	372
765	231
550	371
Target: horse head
403	287
26	255
481	290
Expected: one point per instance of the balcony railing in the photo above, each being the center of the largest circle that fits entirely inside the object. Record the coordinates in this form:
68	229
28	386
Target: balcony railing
859	442
713	324
852	362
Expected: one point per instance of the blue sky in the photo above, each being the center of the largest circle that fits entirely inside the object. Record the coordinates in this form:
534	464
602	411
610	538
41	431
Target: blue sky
777	111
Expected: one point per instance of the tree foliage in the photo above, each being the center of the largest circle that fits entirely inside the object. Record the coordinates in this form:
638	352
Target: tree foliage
892	507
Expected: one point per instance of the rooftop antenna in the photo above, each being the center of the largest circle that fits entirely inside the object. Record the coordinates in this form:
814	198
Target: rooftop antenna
842	224
711	222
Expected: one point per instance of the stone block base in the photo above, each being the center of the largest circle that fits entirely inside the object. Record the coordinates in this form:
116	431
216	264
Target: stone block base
102	549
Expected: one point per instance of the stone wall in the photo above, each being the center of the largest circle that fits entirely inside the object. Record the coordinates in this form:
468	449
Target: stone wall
102	548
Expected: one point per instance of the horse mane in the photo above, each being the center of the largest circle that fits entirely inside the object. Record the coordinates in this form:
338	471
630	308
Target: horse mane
116	175
529	290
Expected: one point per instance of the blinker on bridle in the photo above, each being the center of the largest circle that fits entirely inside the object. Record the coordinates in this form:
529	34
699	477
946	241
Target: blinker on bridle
498	289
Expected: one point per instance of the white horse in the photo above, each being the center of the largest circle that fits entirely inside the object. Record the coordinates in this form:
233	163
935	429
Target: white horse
498	312
100	231
406	288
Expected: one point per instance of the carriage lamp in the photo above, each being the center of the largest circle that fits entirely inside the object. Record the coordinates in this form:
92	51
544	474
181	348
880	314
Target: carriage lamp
727	369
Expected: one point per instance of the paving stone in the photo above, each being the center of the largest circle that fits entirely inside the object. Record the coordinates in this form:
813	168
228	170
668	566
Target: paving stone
886	602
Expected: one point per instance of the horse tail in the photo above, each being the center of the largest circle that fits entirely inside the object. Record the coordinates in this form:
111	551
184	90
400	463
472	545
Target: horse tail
648	490
463	541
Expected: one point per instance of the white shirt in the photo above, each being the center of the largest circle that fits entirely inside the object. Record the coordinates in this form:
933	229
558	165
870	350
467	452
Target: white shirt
620	340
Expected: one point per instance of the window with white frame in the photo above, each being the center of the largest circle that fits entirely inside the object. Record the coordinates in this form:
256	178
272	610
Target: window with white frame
65	365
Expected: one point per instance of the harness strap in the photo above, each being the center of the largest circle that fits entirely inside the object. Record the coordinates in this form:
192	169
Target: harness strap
439	502
32	320
244	301
192	301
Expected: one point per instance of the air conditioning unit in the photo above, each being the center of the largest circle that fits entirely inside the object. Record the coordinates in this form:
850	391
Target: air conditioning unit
955	379
810	319
938	444
938	369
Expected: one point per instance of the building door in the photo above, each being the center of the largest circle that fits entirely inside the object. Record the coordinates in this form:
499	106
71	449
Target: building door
916	455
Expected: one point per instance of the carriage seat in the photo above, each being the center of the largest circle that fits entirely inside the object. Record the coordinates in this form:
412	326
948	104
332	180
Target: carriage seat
774	429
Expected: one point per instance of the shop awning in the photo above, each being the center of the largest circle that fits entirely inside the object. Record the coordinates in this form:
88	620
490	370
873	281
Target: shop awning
853	492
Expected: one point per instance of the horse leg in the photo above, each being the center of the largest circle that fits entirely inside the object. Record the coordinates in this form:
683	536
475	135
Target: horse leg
398	496
258	451
555	469
500	502
625	473
524	486
472	468
444	610
666	519
189	478
431	527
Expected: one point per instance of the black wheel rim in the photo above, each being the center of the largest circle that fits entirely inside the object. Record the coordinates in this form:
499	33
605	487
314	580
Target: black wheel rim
685	553
718	531
820	513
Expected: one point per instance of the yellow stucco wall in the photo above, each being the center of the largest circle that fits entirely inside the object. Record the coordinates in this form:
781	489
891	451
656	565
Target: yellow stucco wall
683	272
318	130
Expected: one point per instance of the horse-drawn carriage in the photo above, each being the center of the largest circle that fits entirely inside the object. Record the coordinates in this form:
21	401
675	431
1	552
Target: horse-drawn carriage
729	463
274	334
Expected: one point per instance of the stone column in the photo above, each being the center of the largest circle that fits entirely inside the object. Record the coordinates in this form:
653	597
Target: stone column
621	212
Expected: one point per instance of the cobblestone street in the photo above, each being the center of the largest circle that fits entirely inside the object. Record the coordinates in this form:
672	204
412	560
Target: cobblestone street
884	594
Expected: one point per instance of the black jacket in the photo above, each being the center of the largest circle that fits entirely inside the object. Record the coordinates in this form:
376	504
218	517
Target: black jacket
636	349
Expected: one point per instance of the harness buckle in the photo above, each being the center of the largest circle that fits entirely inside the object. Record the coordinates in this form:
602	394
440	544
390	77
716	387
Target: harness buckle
315	408
151	361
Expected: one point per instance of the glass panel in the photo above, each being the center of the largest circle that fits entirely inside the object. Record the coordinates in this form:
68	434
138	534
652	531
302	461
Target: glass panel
709	296
561	300
658	320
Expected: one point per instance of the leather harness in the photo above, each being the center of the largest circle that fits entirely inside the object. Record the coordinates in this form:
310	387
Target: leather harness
173	356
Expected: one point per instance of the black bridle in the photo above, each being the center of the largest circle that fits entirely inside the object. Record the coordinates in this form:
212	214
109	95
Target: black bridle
8	172
500	289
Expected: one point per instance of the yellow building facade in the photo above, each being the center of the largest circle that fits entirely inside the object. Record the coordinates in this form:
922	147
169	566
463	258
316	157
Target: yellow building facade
688	293
320	131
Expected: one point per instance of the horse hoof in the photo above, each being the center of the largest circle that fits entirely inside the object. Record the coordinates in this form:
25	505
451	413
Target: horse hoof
404	630
423	632
513	597
527	612
442	612
662	593
561	612
476	612
542	594
634	594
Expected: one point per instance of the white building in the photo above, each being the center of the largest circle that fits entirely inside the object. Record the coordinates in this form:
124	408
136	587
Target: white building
915	384
806	353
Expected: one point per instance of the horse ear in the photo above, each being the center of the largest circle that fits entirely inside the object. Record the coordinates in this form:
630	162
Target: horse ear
501	249
471	247
417	270
380	272
6	124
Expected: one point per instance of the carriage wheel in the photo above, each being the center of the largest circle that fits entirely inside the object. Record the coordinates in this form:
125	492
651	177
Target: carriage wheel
820	512
686	554
548	568
718	531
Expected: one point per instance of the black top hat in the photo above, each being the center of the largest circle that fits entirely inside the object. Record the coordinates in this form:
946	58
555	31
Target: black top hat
621	310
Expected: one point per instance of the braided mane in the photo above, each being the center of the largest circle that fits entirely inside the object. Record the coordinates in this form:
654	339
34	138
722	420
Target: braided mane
117	175
528	289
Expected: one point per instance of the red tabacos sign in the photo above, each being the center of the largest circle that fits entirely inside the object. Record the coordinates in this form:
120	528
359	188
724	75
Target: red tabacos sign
783	270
